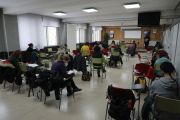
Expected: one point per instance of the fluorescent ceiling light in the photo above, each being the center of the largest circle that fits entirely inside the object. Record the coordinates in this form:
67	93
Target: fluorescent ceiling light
59	13
132	5
90	10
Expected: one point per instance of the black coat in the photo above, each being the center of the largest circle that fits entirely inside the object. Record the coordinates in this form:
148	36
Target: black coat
118	49
70	63
8	73
97	55
80	63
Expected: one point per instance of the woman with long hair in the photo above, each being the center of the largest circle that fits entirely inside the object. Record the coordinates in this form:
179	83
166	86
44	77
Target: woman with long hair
167	86
14	59
60	67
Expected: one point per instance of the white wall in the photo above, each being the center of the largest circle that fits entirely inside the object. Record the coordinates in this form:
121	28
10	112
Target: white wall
30	30
71	36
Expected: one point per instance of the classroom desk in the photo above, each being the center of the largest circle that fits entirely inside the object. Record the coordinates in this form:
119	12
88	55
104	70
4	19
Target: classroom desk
32	65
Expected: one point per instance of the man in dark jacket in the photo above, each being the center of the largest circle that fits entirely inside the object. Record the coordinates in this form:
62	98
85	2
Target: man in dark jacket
105	45
116	58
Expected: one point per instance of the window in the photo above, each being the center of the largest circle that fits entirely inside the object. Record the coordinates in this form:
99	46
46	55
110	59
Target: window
81	35
50	36
96	35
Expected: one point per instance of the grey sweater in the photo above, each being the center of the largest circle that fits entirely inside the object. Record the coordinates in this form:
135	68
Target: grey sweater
165	87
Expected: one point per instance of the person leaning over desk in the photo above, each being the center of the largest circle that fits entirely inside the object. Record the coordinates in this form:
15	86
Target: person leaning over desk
60	67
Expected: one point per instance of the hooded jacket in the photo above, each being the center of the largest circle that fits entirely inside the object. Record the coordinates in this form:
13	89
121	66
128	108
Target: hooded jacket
167	88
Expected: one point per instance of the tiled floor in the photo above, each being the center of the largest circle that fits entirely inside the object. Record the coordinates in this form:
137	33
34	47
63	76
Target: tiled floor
89	104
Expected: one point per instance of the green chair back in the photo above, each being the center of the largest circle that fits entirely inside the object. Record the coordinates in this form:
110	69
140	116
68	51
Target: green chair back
123	46
112	49
38	70
77	46
67	50
23	68
157	67
42	55
58	49
167	105
156	48
157	57
115	54
126	45
49	49
96	60
85	51
124	50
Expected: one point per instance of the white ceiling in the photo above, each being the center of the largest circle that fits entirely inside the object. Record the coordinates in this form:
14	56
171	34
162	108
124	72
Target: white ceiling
110	11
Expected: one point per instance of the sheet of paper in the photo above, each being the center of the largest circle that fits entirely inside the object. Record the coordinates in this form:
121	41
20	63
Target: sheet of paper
32	65
72	71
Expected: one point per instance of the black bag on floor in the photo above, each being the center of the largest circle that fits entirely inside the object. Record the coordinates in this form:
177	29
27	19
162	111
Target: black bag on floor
31	77
118	107
86	76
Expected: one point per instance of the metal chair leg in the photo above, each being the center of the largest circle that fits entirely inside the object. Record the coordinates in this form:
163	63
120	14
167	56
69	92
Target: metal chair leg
45	99
60	99
41	96
29	92
106	111
19	89
4	83
13	87
33	91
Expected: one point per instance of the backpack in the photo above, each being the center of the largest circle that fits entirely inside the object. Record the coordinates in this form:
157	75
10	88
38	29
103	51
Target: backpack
86	76
118	107
141	80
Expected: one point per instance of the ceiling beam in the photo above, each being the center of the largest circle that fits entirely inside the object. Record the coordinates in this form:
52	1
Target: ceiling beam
177	5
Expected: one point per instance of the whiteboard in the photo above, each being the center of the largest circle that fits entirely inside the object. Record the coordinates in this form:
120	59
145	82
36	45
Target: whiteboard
71	37
152	43
132	34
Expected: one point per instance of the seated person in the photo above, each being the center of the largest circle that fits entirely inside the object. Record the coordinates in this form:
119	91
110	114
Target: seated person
105	45
98	54
112	44
158	44
61	50
157	53
167	86
116	58
60	66
163	58
85	47
99	44
14	59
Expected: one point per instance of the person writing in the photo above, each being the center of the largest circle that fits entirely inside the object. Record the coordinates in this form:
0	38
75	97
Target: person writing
14	59
163	58
98	54
116	58
167	86
112	44
61	50
60	67
85	47
146	41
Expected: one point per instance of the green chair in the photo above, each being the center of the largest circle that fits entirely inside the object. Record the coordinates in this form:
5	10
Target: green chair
77	47
126	45
112	49
24	69
166	105
124	50
49	49
97	61
123	46
157	57
67	50
116	54
156	48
